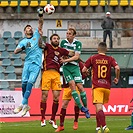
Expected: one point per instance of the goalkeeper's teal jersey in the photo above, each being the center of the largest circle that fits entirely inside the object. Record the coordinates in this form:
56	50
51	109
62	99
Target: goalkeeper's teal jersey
75	46
33	52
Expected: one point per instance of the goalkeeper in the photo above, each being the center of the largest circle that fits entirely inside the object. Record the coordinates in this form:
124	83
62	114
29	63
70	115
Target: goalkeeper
33	61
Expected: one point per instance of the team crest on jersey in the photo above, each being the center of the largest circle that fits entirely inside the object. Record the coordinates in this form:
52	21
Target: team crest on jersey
28	45
56	53
34	38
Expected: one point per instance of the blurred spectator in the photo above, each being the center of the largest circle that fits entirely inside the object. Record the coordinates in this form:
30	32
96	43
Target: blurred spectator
108	25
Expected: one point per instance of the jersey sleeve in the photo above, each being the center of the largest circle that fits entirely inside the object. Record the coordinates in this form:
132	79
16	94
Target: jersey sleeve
78	47
113	62
21	44
46	46
64	52
88	62
62	44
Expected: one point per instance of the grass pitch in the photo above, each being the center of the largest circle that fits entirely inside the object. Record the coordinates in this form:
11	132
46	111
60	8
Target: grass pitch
117	124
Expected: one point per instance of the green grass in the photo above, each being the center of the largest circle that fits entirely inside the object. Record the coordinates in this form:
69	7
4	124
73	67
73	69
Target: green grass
116	124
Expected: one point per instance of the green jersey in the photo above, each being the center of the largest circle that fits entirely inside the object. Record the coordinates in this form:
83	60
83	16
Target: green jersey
75	46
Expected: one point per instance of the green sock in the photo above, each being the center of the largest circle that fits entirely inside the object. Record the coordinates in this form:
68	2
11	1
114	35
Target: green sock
76	98
132	119
83	98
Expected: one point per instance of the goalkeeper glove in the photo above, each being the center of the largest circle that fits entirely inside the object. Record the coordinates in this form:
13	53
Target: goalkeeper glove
40	12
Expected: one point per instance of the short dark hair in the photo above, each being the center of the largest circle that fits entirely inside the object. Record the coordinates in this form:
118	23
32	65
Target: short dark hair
102	45
74	31
27	26
54	35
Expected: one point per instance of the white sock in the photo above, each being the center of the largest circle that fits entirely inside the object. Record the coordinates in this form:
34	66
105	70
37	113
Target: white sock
104	127
98	128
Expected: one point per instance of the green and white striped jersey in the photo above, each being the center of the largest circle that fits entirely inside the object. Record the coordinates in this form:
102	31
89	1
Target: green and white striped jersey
75	46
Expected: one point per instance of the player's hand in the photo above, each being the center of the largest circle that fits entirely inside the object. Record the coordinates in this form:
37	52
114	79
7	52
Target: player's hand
62	60
115	81
40	12
88	72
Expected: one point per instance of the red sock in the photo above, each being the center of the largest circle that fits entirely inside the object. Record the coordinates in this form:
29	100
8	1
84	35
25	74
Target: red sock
43	109
98	121
54	109
76	110
101	117
62	116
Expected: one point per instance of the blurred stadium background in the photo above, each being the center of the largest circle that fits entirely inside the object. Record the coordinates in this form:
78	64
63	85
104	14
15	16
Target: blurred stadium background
84	15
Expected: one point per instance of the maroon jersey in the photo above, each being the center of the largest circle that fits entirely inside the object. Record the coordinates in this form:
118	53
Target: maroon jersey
81	65
101	65
52	56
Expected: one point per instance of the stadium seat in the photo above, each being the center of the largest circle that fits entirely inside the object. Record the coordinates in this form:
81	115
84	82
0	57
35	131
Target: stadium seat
10	41
4	55
20	39
63	3
2	76
4	3
130	63
4	85
18	35
83	3
102	3
11	48
73	3
54	2
122	59
6	62
2	41
124	3
1	69
113	3
13	3
11	76
17	62
24	3
15	56
34	3
7	34
43	3
131	3
2	47
93	3
10	69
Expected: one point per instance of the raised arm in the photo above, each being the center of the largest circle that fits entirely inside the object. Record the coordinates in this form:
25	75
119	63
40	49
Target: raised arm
40	22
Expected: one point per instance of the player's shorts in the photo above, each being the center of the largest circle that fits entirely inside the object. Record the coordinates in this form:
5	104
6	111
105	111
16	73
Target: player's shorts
72	72
51	80
100	95
67	93
30	72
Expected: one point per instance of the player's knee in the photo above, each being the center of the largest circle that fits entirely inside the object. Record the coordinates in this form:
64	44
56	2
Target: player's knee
80	87
56	98
65	104
44	96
